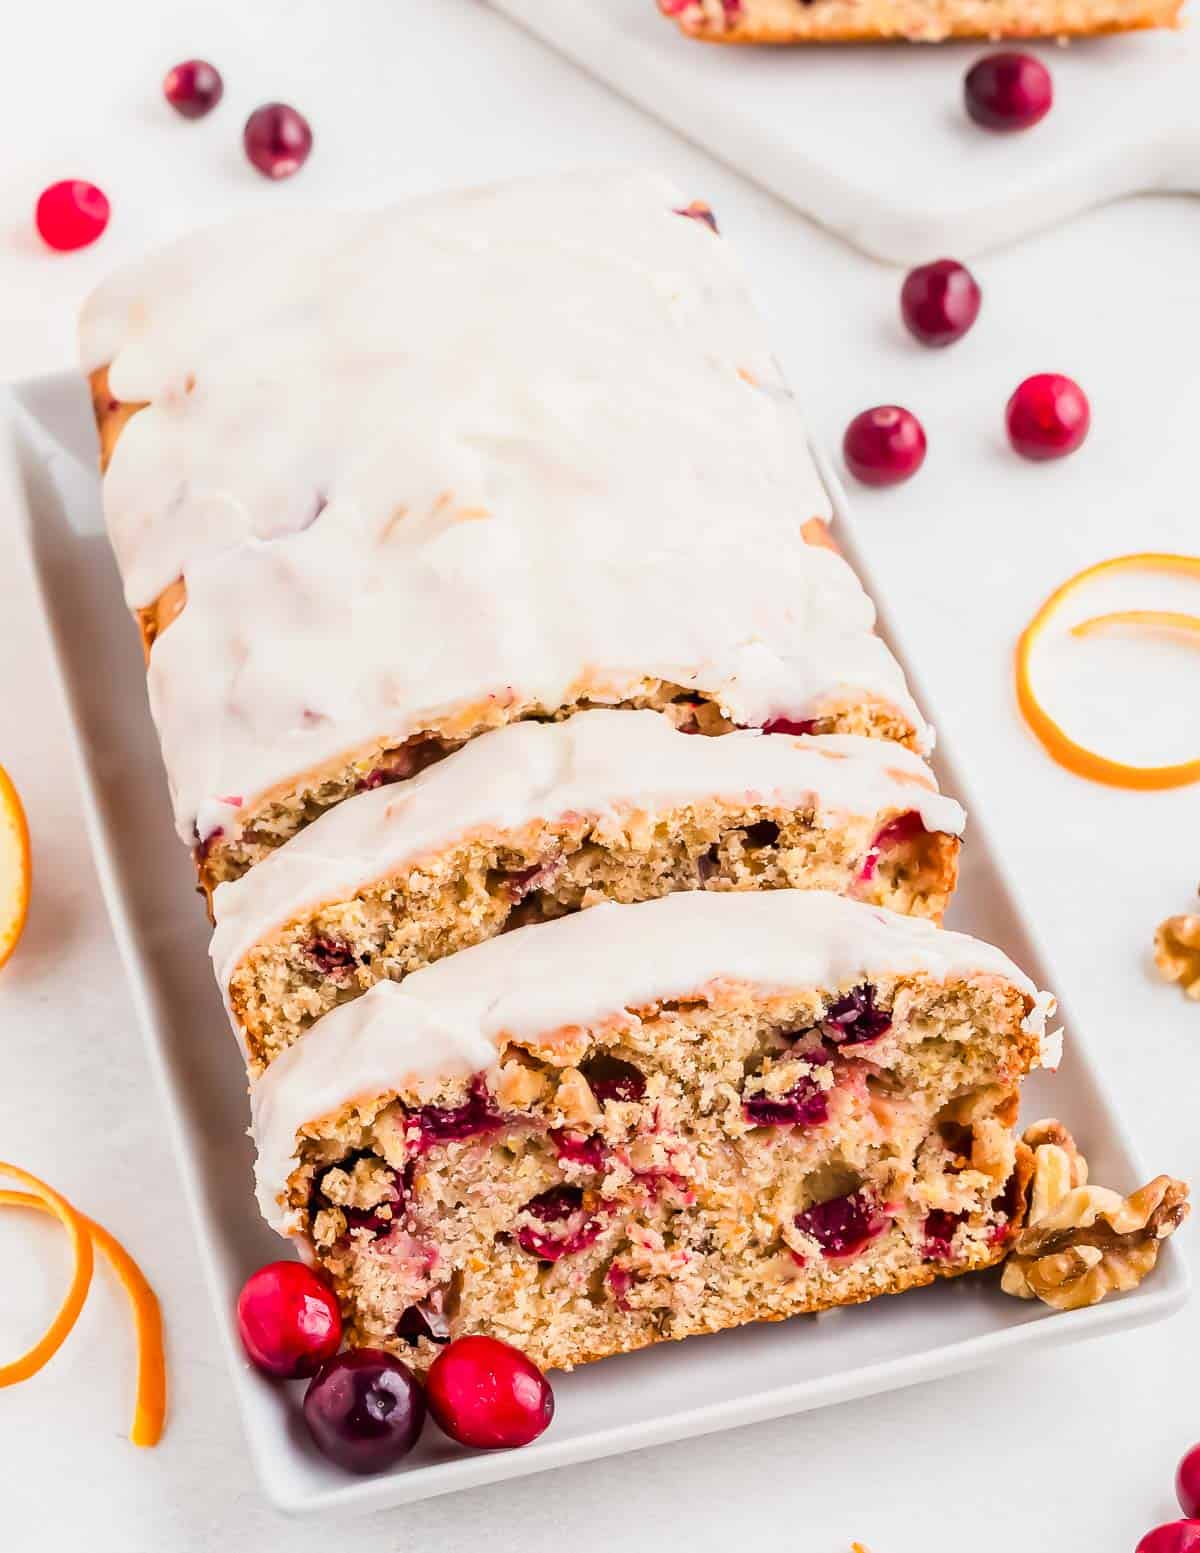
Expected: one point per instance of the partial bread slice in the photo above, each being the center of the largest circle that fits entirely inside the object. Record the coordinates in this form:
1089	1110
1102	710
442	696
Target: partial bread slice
540	819
919	21
655	1120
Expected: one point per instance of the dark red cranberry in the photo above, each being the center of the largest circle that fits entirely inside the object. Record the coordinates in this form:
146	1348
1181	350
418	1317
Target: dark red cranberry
1008	91
699	211
843	1226
570	1226
331	956
609	1078
855	1018
620	1280
1173	1537
939	302
1047	417
763	834
427	1318
451	1123
288	1320
193	88
365	1410
277	140
940	1227
789	725
805	1104
484	1393
589	1151
71	214
524	881
381	776
905	827
884	446
1187	1483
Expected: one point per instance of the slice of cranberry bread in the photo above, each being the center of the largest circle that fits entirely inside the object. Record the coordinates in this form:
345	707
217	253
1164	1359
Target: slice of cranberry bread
920	21
539	819
405	475
656	1120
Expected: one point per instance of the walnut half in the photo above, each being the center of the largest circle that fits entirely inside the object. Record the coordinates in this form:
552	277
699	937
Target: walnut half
1177	952
1082	1242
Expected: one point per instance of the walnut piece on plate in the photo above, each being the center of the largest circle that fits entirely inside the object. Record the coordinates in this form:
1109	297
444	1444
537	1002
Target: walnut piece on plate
1081	1242
1177	952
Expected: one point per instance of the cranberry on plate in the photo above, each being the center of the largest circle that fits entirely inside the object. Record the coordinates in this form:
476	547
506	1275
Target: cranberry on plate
288	1320
1187	1482
884	446
277	140
1173	1537
939	302
1008	91
364	1410
71	214
484	1393
1047	417
193	88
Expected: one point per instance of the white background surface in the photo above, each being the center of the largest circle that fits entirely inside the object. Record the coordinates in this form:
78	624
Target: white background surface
1074	1451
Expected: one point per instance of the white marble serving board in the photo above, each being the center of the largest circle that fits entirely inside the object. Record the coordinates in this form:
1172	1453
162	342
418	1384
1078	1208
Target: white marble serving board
872	140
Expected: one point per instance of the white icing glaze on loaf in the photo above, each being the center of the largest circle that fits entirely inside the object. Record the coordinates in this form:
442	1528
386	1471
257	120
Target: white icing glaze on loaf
607	766
525	443
580	970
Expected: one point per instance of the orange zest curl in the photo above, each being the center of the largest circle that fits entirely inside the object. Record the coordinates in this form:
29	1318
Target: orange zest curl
1054	739
84	1234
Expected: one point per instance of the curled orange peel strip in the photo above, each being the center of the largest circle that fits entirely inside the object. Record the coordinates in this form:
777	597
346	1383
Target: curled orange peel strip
1055	740
150	1403
81	1277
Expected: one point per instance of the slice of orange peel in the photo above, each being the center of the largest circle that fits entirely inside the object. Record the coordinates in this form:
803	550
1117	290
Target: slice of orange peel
1056	741
84	1235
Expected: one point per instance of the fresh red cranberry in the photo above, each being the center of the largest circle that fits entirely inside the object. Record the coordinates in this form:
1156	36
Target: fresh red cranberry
699	211
884	446
939	302
843	1226
484	1393
854	1018
940	1227
1173	1537
451	1123
365	1410
193	88
288	1320
1047	417
1187	1483
277	140
71	214
905	827
789	725
570	1225
1008	91
806	1104
590	1151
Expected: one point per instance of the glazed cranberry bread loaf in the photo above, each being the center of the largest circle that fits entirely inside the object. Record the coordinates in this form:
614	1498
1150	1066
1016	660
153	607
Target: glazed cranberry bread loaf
539	819
385	481
921	21
655	1120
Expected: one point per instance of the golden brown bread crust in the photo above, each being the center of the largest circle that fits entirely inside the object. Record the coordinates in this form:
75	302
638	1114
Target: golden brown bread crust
915	21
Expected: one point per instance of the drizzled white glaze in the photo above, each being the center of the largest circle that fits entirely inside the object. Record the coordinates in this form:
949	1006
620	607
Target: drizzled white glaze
606	766
579	970
525	443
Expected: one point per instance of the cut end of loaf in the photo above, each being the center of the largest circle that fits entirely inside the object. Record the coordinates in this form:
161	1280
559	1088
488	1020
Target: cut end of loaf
914	21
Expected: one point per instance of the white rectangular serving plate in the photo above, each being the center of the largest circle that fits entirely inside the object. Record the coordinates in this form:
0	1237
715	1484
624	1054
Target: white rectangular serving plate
48	481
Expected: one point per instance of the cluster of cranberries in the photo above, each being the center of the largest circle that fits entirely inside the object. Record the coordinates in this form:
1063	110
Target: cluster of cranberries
1180	1536
1048	414
277	140
365	1408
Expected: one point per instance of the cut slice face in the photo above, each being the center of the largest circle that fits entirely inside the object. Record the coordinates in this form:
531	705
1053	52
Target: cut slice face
16	867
